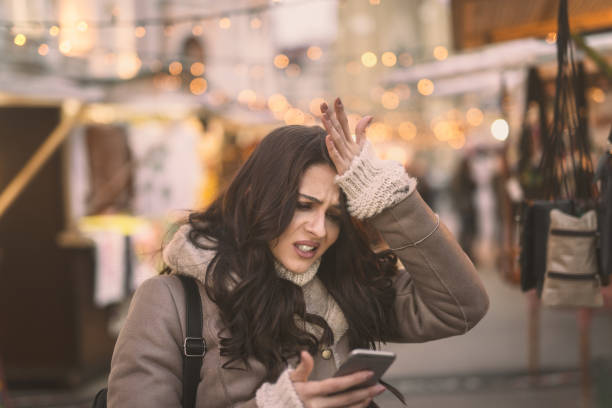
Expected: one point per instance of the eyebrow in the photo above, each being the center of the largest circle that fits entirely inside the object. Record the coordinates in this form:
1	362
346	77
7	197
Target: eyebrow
316	200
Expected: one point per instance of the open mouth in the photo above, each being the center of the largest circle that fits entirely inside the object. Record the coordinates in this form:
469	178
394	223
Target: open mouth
306	250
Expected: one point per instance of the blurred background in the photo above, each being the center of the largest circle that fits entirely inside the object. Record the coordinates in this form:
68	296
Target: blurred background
118	117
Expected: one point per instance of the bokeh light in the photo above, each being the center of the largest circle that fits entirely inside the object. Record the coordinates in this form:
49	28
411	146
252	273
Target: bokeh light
407	130
281	61
388	59
440	53
198	86
425	86
175	68
474	116
389	100
225	23
500	129
20	39
314	52
368	59
197	69
43	49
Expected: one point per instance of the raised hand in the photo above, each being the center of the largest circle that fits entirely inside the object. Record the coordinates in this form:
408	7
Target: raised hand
339	141
315	394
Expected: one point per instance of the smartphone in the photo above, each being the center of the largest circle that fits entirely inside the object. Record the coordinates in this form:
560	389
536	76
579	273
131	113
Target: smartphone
366	360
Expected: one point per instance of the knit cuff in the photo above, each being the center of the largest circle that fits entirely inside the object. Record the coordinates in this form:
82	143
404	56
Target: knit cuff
281	394
371	184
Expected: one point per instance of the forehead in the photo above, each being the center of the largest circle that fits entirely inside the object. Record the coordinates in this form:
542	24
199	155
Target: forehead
318	182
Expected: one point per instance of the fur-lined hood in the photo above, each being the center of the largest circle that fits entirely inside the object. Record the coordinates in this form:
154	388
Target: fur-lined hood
184	258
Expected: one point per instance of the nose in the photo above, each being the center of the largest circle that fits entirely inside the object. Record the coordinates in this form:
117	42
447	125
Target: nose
316	225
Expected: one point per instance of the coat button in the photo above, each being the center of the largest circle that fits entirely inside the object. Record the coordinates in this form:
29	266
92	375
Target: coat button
326	354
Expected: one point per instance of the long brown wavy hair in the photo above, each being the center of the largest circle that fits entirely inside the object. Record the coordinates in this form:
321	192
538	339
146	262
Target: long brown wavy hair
257	307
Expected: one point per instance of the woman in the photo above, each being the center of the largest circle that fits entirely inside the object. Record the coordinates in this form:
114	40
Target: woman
288	279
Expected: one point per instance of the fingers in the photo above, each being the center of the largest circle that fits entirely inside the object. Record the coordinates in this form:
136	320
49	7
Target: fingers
339	384
355	398
342	119
303	370
334	129
360	129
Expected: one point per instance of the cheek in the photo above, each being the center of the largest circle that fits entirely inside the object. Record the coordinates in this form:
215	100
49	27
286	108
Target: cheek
333	230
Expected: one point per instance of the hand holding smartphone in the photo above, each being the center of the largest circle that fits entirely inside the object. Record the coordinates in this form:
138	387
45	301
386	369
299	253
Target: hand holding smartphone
366	360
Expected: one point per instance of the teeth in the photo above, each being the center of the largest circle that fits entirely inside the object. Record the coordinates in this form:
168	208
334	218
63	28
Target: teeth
306	248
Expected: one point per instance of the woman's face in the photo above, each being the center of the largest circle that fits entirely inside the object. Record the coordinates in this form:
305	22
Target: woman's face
315	224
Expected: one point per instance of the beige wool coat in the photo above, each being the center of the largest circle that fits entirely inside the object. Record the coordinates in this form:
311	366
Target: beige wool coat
439	294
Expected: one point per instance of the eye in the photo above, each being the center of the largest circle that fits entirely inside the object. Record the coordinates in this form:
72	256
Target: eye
303	206
334	217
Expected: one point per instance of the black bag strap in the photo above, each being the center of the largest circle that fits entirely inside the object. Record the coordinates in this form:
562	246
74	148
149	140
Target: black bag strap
194	346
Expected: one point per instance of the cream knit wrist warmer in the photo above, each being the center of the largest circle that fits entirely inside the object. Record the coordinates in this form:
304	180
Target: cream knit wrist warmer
281	394
371	184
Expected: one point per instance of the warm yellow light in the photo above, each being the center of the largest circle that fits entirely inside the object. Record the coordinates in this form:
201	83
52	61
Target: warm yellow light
440	53
255	23
500	129
247	96
474	116
20	39
197	30
128	65
197	69
309	120
388	59
65	47
82	26
278	103
457	142
551	37
443	130
368	59
293	70
378	132
140	31
375	2
43	49
598	95
425	86
257	72
405	59
397	154
407	130
198	86
175	68
294	116
54	31
281	61
389	100
315	106
314	52
225	23
353	67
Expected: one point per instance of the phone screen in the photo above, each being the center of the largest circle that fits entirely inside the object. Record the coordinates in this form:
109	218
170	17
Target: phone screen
366	360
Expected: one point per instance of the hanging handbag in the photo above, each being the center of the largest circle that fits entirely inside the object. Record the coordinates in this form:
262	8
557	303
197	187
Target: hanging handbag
568	183
571	278
194	347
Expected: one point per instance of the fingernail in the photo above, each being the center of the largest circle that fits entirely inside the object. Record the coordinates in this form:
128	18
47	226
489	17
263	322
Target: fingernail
338	102
368	374
380	388
323	107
